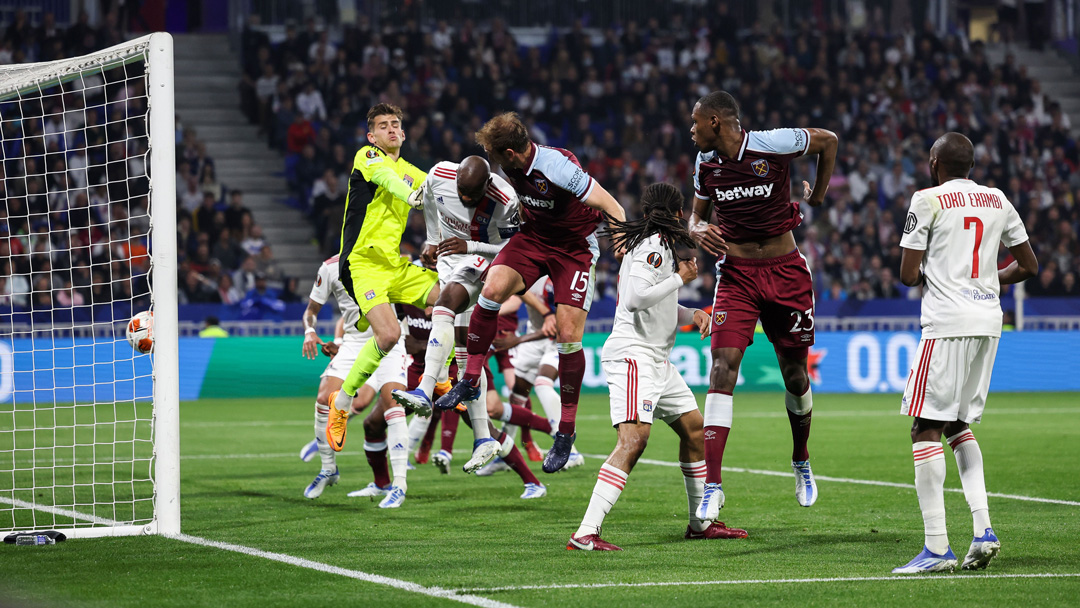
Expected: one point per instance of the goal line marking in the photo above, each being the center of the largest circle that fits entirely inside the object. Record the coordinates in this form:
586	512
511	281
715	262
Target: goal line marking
775	581
863	482
439	592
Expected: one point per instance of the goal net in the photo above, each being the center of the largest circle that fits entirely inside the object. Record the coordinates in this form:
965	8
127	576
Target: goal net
88	426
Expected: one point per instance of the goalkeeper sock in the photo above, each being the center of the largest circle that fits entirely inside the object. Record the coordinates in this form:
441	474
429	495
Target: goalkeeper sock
326	453
375	450
970	462
609	485
929	459
450	420
397	441
694	479
418	427
367	361
440	347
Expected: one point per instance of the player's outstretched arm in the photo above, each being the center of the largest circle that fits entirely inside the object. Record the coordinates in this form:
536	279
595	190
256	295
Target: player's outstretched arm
911	266
312	341
1024	265
601	200
823	143
706	234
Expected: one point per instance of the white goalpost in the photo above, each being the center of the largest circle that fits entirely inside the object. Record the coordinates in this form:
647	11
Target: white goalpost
89	427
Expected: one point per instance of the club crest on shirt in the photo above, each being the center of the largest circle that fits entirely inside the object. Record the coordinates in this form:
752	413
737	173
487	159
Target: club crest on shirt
655	259
719	317
541	185
408	180
370	295
910	222
646	405
760	167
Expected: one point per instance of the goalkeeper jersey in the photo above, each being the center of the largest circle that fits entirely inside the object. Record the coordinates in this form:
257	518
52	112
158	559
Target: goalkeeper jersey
375	207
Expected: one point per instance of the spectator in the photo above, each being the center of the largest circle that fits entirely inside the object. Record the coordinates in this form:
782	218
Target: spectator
261	302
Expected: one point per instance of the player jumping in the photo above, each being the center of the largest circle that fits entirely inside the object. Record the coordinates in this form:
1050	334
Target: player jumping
470	214
642	381
561	207
950	247
372	269
389	374
760	273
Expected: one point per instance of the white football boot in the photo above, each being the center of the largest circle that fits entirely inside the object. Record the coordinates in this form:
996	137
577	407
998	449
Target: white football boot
805	486
323	479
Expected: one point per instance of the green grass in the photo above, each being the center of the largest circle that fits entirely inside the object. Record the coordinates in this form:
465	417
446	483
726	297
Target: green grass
465	532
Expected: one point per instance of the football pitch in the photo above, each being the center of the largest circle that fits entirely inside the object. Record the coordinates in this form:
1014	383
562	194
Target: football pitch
252	539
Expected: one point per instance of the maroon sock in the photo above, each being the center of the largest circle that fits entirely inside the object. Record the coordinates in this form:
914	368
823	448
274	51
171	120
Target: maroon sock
800	434
715	441
377	460
450	420
526	432
481	333
528	420
571	373
517	463
429	435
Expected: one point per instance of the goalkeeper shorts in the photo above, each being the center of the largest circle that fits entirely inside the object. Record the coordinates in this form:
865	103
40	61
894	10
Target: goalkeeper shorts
373	277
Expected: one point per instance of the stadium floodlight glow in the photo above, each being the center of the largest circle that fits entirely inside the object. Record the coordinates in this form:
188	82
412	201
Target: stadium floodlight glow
89	427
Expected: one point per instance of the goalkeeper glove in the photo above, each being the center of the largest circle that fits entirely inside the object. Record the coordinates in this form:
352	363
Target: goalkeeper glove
416	199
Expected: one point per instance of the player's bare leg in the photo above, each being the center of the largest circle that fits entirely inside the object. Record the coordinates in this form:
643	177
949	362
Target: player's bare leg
929	457
387	330
799	402
985	544
718	413
452	301
690	429
610	481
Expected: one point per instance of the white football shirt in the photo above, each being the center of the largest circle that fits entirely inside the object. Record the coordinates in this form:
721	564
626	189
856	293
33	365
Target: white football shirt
328	283
648	333
959	225
544	290
491	222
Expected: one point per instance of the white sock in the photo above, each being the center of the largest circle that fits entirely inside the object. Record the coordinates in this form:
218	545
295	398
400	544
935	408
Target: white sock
510	430
440	345
322	415
549	398
397	441
507	445
970	462
800	405
694	479
418	426
507	413
478	411
610	482
930	485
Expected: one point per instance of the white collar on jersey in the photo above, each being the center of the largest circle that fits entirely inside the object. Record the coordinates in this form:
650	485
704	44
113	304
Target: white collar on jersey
742	148
535	154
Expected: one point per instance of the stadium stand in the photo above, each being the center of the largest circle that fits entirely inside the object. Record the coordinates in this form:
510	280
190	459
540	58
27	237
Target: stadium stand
622	99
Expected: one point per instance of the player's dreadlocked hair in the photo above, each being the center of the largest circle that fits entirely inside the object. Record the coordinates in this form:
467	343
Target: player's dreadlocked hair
660	206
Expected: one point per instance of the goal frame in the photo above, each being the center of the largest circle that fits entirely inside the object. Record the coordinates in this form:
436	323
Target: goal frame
165	421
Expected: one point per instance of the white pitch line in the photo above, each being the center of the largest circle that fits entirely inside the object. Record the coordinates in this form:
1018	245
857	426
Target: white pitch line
863	482
439	592
776	581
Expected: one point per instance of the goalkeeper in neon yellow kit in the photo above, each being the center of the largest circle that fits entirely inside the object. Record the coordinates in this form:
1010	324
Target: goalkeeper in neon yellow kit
371	267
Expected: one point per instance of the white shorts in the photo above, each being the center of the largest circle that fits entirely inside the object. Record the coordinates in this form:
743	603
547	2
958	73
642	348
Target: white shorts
950	378
465	269
391	369
641	389
529	357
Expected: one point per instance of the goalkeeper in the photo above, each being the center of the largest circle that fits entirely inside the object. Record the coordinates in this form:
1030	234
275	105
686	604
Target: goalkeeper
371	267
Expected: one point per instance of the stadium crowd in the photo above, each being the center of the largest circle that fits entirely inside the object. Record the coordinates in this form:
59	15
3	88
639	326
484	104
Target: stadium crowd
622	101
74	226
